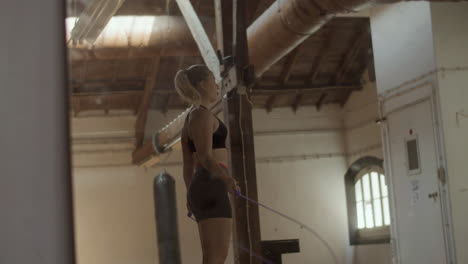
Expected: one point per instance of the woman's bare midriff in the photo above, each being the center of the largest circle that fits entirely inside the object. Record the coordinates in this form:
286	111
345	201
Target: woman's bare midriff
219	155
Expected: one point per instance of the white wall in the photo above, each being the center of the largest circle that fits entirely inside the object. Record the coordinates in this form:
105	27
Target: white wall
309	189
363	138
362	132
450	22
102	140
114	216
402	43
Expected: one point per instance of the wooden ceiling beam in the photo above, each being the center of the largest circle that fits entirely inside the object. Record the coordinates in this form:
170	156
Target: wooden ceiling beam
370	65
345	97
93	20
144	153
201	38
77	55
289	65
270	102
84	71
165	104
164	92
297	102
315	69
110	101
280	89
129	81
320	101
350	56
145	102
252	7
115	71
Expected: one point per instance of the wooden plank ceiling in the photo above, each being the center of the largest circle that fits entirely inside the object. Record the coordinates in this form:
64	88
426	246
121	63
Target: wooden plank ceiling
325	69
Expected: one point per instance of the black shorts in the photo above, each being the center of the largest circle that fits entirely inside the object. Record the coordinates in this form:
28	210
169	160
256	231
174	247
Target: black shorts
208	196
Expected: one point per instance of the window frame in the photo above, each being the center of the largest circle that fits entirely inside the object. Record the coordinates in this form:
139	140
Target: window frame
377	235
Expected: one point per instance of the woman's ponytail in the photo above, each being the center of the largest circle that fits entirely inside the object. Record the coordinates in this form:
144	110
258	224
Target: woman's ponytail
185	89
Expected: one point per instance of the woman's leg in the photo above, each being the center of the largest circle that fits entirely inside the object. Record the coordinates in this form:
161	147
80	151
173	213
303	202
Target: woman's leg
215	236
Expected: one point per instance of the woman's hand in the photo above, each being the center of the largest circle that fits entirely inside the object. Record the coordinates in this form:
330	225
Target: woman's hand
231	184
189	210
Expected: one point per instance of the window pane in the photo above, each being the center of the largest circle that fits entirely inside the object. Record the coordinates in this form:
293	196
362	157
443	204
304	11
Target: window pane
366	187
369	215
378	213
375	185
360	215
358	191
383	183
386	211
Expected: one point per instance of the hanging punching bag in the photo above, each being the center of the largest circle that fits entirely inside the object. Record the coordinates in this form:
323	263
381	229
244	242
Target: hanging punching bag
166	219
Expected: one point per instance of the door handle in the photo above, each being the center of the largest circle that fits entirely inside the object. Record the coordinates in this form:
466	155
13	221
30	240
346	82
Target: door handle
434	196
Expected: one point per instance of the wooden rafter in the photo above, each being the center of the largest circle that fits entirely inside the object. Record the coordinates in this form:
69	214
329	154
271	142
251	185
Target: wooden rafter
145	102
350	56
107	82
252	7
165	103
201	38
289	64
297	102
164	91
144	153
115	71
280	89
315	69
84	71
218	10
180	62
369	65
345	97
270	102
78	55
94	19
320	101
115	100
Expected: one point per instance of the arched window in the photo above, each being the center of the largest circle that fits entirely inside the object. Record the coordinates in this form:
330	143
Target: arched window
368	202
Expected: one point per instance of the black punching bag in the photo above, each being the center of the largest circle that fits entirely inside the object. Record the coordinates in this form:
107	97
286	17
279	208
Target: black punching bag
166	219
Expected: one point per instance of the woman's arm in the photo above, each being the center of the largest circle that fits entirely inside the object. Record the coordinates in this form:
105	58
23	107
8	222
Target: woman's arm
201	133
187	162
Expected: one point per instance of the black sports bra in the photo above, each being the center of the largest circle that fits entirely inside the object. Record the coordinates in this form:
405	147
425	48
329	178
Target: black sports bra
219	136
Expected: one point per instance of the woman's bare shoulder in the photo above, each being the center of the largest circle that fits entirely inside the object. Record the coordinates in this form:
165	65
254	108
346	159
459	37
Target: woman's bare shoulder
200	114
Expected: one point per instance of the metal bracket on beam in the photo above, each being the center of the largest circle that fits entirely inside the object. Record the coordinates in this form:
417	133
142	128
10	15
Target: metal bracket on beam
229	81
158	149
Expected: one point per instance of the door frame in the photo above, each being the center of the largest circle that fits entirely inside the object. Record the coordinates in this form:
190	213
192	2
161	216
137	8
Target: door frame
407	97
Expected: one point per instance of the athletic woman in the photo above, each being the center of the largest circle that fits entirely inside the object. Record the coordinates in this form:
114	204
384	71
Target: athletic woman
204	163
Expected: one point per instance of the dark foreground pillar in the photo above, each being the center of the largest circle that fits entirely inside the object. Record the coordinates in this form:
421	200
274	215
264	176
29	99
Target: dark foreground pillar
36	219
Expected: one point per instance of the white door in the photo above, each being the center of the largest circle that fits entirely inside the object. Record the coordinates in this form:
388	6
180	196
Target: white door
418	213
